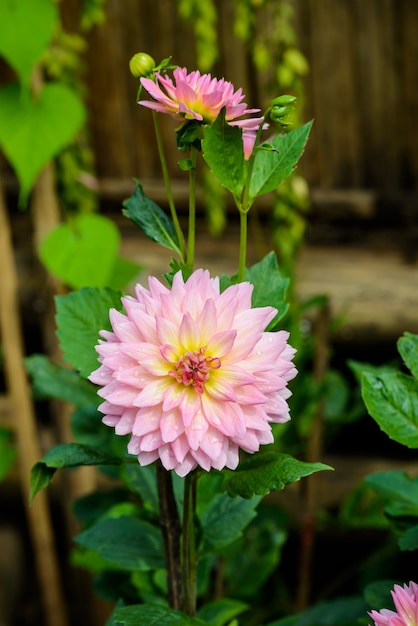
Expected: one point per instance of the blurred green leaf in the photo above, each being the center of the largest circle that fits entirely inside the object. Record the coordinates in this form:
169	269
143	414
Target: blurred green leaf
51	380
151	615
26	27
128	542
8	451
33	131
220	612
399	489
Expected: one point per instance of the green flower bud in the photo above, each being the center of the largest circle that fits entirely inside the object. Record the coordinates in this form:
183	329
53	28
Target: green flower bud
284	100
141	64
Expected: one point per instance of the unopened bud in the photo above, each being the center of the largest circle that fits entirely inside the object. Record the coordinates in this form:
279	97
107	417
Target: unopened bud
284	100
141	64
279	112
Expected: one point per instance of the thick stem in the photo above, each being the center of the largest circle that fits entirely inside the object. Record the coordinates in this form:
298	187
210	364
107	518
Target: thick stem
166	178
171	530
189	557
242	244
191	235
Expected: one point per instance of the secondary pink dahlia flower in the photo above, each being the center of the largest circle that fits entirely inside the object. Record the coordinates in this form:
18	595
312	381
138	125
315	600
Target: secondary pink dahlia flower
191	373
405	600
197	96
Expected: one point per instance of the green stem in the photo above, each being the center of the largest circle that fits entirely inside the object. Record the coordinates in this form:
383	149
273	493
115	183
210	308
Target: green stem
189	557
242	244
170	527
166	178
191	235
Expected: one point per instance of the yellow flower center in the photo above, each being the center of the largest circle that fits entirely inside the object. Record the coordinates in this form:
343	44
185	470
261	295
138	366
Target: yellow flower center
193	368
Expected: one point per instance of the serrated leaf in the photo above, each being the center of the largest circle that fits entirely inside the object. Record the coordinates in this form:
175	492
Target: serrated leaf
32	131
270	286
224	520
80	316
65	455
392	400
223	151
267	472
151	219
221	612
50	380
128	542
26	27
273	167
408	349
153	615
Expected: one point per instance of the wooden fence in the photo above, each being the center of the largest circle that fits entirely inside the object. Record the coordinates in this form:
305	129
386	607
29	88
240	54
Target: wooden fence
362	88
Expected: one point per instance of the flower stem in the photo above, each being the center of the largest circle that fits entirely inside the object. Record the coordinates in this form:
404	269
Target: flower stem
166	177
189	558
171	529
191	235
242	244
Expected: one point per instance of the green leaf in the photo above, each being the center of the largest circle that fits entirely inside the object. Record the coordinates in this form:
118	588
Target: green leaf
270	286
223	151
123	272
273	167
153	615
143	481
33	131
26	27
65	455
128	542
224	520
392	400
399	489
151	219
80	316
266	472
409	539
50	380
378	595
408	349
83	251
339	612
220	612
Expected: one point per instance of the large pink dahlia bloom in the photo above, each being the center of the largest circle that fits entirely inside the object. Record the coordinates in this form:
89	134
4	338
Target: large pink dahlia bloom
191	373
197	96
405	600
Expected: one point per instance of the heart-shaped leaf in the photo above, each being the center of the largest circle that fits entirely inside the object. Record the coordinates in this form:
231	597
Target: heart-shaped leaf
82	252
26	27
33	131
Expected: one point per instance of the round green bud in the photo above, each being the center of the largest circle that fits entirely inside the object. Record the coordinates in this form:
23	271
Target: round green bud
141	64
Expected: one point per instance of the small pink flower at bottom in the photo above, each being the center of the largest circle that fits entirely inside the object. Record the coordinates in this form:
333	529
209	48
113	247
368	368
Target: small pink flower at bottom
191	373
405	600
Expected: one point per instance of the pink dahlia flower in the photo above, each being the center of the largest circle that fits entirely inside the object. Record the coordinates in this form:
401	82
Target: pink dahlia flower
405	600
191	373
197	96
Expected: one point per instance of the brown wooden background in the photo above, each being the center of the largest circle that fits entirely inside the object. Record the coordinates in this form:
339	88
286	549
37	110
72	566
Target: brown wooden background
362	88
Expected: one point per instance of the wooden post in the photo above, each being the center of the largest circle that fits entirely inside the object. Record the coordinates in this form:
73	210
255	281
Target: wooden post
24	424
